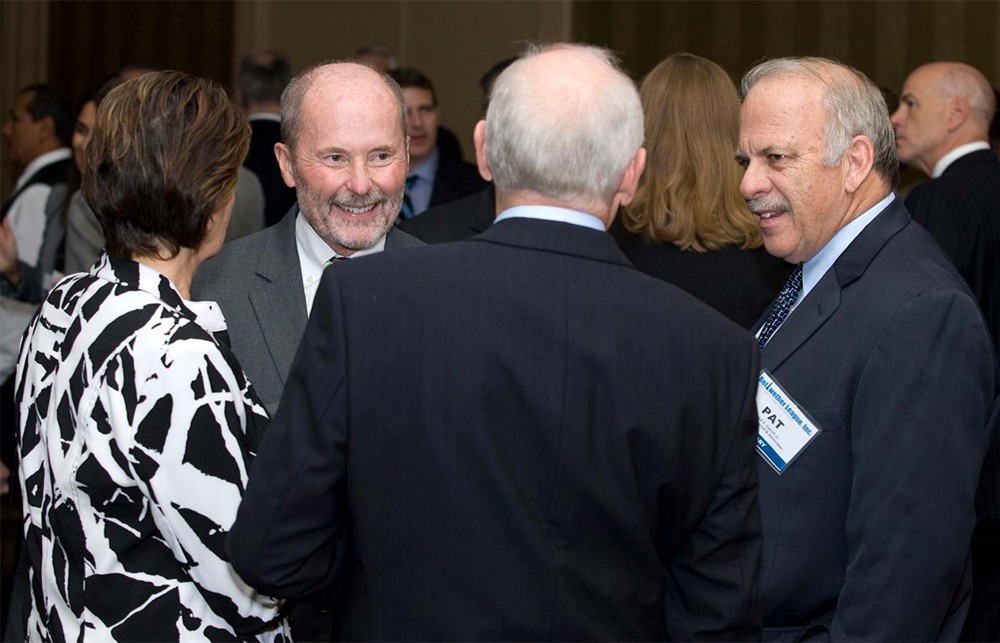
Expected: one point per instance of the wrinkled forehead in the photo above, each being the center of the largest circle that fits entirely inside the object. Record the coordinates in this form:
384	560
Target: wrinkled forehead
341	110
780	110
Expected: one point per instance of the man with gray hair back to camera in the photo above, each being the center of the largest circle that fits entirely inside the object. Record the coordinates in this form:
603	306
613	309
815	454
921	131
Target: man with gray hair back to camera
877	378
549	445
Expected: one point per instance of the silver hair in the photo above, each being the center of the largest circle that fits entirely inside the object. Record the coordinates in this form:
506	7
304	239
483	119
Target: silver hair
854	107
574	149
968	82
294	94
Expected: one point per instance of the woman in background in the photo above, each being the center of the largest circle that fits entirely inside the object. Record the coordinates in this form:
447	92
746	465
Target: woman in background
136	424
688	223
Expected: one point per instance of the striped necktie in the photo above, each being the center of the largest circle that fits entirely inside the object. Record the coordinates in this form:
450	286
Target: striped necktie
781	307
407	211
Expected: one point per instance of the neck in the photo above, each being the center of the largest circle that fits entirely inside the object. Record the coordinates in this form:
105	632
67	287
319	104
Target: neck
179	269
507	199
270	107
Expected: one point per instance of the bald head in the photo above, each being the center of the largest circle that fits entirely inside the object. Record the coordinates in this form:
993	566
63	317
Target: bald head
943	105
564	124
324	86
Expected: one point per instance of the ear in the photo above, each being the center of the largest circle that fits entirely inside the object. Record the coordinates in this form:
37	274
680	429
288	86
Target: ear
47	130
958	112
858	162
284	156
479	139
630	180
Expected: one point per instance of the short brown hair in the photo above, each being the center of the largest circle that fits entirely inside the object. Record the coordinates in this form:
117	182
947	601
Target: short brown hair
164	157
689	194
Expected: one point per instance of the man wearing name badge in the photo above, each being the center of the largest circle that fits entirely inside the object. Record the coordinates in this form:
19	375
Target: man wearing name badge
877	340
553	446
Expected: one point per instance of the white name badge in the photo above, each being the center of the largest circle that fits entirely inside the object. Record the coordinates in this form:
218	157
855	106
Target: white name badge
784	429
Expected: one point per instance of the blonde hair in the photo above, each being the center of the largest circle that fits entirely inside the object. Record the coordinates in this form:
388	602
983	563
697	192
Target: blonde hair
689	194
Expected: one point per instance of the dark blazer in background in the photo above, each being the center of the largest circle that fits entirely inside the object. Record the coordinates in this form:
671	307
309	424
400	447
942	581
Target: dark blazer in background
866	534
454	179
455	220
513	462
961	210
261	160
738	283
257	281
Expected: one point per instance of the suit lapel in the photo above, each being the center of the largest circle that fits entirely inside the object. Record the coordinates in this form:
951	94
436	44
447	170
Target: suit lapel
825	298
278	300
552	236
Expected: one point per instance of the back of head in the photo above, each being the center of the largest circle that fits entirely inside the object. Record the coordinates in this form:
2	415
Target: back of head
689	194
958	80
162	159
47	103
410	77
563	122
263	76
854	106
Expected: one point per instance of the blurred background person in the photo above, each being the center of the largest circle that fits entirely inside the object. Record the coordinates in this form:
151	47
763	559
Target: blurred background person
688	224
263	76
136	424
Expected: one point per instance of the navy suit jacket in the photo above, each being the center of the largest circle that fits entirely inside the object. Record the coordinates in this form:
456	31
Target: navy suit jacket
455	220
454	179
257	281
261	160
866	534
961	210
553	446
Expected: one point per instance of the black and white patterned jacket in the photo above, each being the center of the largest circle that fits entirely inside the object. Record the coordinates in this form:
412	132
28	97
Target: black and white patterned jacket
136	431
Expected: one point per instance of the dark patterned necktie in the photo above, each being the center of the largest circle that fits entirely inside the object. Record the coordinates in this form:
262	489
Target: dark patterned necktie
407	212
782	306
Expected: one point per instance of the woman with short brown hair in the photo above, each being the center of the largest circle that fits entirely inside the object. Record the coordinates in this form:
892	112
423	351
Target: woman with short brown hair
136	423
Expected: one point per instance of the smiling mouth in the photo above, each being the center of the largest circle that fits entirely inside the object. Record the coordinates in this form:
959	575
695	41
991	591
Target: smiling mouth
362	210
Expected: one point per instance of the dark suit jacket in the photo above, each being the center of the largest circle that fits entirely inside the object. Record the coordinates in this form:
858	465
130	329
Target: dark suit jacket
961	210
454	179
866	535
553	446
257	282
455	220
738	283
261	160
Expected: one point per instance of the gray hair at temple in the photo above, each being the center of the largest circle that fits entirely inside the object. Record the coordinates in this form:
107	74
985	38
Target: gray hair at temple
294	94
854	107
567	134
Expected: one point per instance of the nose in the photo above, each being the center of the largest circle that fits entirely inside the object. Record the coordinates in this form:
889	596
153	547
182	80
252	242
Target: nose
6	129
415	118
897	118
359	181
755	182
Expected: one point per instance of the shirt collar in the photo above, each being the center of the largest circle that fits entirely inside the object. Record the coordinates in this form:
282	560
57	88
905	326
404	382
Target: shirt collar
552	213
315	254
956	154
264	116
427	170
41	161
814	269
139	276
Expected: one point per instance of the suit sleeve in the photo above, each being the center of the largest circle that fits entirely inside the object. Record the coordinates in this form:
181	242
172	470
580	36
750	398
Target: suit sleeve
712	590
919	435
288	536
935	211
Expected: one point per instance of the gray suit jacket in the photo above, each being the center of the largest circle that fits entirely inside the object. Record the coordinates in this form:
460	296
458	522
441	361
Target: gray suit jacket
257	282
